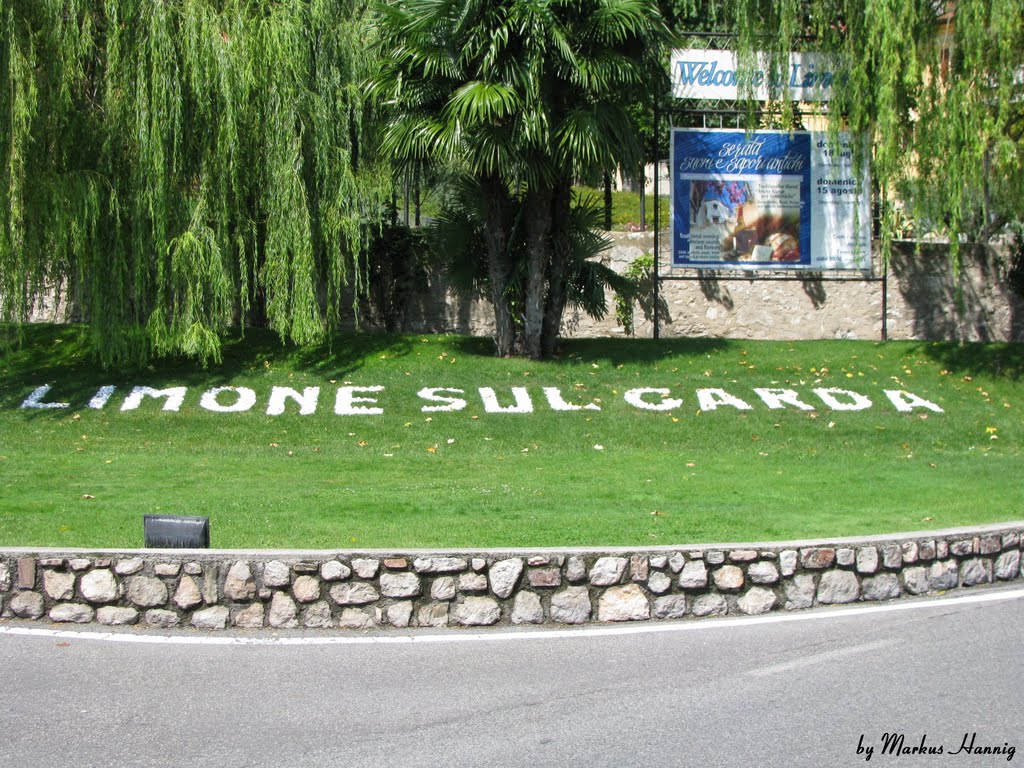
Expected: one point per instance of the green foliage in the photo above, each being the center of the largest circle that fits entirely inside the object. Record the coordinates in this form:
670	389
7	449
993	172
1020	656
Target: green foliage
458	240
526	98
639	276
934	90
397	273
179	165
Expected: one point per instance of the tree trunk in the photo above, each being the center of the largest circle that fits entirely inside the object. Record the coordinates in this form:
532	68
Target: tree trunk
497	209
538	218
558	268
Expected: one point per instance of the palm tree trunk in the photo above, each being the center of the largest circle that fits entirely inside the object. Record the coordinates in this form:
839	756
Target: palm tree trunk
538	213
561	248
497	208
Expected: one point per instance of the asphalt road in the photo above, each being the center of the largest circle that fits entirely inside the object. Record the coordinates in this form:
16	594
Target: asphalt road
712	693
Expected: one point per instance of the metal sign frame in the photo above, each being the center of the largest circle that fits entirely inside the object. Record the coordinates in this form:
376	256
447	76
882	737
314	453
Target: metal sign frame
693	113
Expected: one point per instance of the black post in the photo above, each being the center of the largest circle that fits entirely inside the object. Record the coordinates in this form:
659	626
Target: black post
607	201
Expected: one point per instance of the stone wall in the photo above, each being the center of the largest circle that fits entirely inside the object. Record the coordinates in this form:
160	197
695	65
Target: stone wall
214	590
925	299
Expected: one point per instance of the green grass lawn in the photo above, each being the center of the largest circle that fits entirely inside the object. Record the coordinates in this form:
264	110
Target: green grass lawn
621	475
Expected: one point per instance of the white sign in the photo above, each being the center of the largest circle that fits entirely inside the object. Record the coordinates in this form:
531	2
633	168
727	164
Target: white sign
704	74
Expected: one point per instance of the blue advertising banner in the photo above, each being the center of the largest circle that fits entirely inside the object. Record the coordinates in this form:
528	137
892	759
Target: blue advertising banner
767	200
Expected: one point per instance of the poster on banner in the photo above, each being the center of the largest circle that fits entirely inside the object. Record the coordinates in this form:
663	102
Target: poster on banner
768	200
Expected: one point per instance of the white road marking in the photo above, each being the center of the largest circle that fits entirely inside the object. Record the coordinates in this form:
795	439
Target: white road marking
458	636
821	658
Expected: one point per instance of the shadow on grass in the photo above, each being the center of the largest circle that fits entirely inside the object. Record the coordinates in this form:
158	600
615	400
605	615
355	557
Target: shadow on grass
616	351
61	356
1005	361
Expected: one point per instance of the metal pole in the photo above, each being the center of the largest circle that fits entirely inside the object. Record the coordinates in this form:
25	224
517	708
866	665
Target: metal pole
657	220
885	299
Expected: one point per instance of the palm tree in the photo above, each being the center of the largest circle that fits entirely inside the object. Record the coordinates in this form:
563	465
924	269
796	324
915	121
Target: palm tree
525	96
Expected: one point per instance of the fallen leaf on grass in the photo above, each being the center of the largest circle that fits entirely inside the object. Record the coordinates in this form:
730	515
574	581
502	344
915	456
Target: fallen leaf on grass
88	496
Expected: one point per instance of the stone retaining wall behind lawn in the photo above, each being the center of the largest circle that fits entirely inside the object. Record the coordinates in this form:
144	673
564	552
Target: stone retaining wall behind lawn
213	590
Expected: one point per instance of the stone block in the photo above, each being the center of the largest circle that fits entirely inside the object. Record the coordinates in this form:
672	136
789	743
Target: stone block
975	571
527	609
763	572
400	614
99	586
27	605
161	617
187	595
5	577
1007	565
335	570
541	578
915	580
676	562
365	568
728	578
817	558
943	575
239	584
26	573
76	613
356	593
399	584
845	557
714	557
476	612
59	585
658	562
628	603
694	575
885	586
306	588
276	574
128	567
608	571
396	563
670	607
250	617
962	547
211	618
440	564
926	550
317	616
79	564
742	555
576	570
146	591
432	615
283	611
471	582
659	583
838	587
787	562
800	592
168	570
639	568
504	576
571	606
710	605
443	588
357	618
892	556
115	616
757	600
990	545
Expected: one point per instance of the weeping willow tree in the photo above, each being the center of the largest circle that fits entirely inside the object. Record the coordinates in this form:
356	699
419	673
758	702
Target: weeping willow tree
177	166
933	88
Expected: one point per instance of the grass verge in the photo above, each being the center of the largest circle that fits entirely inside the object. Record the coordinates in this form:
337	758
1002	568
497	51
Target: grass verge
406	477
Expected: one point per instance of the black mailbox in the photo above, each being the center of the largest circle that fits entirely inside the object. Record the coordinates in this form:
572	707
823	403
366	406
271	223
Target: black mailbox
176	532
